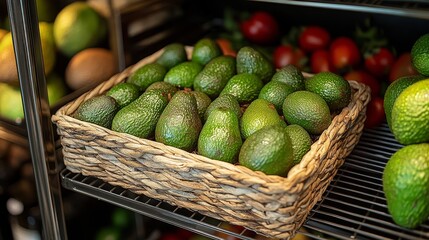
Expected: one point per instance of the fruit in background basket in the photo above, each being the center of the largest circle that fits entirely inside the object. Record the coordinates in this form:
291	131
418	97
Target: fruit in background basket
365	78
245	87
379	62
250	60
215	75
259	114
410	114
165	87
139	118
226	47
261	28
124	93
11	102
320	61
205	50
344	53
99	110
89	67
285	55
393	91
227	101
420	55
173	54
275	92
8	71
147	74
334	89
220	137
56	88
183	75
203	102
406	185
291	76
402	67
375	114
308	110
301	142
268	150
179	125
77	27
313	38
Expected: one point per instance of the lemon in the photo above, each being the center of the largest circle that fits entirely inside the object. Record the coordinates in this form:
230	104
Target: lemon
8	70
78	26
410	114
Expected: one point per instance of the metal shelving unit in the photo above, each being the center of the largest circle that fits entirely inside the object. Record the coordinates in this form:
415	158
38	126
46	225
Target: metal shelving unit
353	206
411	8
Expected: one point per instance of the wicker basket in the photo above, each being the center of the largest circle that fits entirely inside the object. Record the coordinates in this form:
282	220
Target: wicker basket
270	205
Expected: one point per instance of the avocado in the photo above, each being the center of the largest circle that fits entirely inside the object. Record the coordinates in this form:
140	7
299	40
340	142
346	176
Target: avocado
147	74
406	185
268	150
99	110
205	50
203	102
333	88
220	137
165	87
139	118
259	113
291	76
275	93
250	60
245	87
215	75
225	101
179	125
124	93
183	75
172	55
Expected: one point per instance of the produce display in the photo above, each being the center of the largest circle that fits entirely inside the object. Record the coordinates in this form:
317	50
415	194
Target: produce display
239	109
364	55
75	55
406	175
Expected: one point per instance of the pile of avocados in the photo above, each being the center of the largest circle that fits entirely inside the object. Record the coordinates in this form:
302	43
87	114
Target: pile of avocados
239	110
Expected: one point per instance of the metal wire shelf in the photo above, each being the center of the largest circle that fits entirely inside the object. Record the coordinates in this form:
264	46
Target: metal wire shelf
353	206
410	8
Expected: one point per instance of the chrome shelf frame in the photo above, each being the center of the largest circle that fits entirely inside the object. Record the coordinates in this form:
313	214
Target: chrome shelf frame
413	8
353	206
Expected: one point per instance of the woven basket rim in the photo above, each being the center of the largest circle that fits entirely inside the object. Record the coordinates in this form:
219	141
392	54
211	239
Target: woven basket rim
303	170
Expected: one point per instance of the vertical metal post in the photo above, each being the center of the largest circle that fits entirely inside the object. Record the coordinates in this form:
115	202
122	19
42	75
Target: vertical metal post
29	61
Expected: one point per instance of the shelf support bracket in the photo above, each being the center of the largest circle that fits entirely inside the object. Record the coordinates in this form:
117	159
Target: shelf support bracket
29	61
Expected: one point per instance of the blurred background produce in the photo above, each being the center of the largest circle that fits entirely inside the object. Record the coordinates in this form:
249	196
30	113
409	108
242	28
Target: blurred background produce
76	54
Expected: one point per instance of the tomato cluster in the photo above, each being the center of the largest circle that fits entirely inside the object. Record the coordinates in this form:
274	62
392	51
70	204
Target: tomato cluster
315	49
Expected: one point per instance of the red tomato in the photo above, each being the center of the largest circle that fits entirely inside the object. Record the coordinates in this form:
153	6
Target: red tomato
286	54
365	78
344	53
313	38
260	28
226	47
320	62
380	62
402	67
375	113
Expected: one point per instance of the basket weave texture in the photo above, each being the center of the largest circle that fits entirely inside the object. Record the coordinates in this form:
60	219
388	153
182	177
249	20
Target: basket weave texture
271	205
